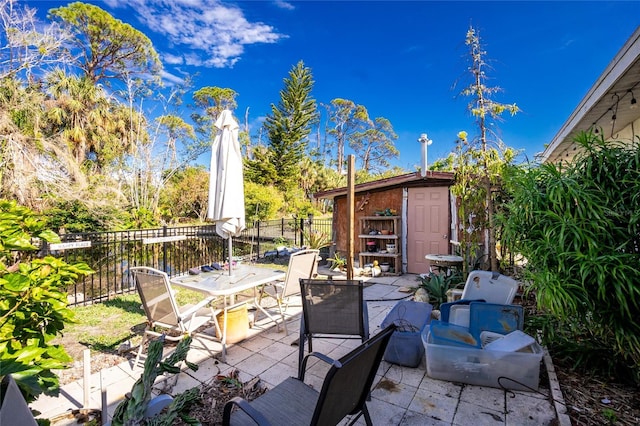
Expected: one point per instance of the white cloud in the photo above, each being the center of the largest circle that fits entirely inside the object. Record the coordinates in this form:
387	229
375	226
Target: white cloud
172	59
174	79
193	60
215	34
284	5
114	3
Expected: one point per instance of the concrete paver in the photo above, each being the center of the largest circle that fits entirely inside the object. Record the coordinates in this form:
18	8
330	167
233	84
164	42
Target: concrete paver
401	395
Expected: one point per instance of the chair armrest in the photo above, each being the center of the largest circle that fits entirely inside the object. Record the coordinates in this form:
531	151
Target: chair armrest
244	406
321	357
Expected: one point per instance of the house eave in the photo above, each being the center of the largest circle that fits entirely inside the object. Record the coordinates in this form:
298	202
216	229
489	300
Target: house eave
614	86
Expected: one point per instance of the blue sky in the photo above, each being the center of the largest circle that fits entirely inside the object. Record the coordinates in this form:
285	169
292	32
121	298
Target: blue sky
405	61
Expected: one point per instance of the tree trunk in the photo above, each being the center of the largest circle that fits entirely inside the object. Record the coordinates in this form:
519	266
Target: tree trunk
493	261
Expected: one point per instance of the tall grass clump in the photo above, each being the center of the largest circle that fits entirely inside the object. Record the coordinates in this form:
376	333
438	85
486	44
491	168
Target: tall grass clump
578	227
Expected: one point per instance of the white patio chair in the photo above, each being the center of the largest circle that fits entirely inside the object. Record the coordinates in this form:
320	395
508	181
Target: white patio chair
162	310
302	264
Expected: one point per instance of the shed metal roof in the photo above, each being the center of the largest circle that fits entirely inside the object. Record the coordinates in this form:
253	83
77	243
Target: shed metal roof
410	179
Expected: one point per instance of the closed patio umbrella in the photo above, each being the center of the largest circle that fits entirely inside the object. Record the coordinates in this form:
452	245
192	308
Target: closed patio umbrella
226	188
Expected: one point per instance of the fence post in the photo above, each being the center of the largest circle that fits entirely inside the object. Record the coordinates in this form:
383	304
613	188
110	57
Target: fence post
164	249
301	233
258	238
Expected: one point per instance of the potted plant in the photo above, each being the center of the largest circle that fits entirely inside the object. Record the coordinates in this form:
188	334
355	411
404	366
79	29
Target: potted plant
437	285
314	239
339	262
319	240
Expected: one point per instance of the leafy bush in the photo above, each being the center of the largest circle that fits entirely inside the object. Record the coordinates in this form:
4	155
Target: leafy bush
437	286
296	202
281	241
578	226
77	216
316	239
33	302
140	218
337	261
261	202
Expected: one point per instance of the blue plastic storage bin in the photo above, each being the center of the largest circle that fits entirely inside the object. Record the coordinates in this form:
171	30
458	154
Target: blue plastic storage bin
494	317
405	346
444	333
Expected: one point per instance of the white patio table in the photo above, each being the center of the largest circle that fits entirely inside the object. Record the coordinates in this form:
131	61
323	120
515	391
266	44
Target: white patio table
221	284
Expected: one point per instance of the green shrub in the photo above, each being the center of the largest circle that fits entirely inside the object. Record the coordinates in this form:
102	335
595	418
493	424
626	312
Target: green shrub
337	261
33	302
437	286
261	202
281	241
77	216
316	239
578	226
296	202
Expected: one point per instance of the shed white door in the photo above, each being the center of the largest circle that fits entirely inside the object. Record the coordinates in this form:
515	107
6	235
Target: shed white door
428	226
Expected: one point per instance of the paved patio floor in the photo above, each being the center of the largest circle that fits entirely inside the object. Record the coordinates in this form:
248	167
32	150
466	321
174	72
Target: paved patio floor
401	395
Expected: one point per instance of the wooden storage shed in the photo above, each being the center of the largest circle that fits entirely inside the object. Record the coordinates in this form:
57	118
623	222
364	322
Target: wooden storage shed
421	207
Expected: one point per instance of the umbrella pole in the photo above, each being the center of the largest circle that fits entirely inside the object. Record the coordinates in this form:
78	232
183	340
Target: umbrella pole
230	255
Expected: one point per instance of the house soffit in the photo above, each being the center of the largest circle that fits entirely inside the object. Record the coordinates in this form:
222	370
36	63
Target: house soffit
612	93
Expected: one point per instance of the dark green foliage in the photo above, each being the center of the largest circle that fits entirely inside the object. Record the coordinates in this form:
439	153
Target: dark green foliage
578	226
437	286
76	216
33	302
574	344
108	48
289	125
260	169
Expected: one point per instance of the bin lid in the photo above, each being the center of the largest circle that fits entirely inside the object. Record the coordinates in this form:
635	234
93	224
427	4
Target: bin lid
512	342
494	317
408	315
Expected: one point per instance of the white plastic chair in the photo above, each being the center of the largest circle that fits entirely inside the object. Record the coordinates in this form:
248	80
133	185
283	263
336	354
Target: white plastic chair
492	287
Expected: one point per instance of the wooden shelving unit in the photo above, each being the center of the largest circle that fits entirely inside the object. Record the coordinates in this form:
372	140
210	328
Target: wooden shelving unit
371	230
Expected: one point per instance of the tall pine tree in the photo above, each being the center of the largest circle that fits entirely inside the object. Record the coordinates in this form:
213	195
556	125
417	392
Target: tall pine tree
289	125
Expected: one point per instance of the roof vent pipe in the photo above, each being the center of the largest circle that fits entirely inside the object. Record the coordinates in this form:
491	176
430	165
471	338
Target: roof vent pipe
425	142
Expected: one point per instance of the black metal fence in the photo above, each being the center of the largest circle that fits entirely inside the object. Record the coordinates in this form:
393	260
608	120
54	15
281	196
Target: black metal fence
172	249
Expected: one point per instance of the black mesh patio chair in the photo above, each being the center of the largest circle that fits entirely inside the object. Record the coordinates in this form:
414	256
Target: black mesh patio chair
333	309
344	392
164	315
302	264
